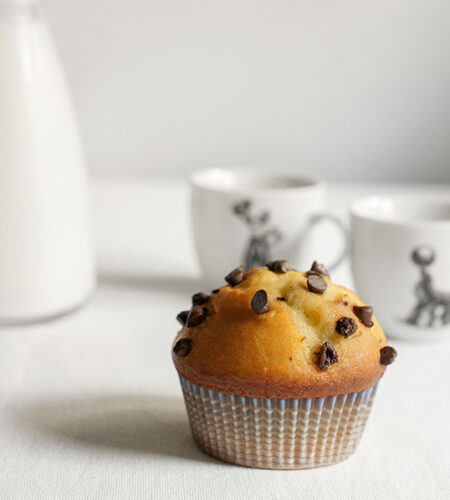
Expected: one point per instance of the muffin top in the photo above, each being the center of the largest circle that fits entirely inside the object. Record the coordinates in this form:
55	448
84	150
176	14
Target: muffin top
274	332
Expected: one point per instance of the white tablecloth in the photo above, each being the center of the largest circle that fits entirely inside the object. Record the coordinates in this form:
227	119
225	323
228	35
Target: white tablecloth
90	405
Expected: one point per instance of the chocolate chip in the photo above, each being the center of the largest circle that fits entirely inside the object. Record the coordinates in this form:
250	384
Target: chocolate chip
346	327
364	313
326	356
279	266
182	317
183	347
196	316
345	303
319	268
216	290
283	299
387	355
316	284
200	298
236	276
260	302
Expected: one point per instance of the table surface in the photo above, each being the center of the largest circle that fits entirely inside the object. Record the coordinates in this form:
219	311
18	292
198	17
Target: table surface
90	405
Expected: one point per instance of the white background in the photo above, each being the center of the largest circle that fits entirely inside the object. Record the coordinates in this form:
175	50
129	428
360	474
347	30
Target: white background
346	90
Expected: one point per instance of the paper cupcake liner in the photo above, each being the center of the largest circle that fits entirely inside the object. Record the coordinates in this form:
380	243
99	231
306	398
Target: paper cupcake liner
277	433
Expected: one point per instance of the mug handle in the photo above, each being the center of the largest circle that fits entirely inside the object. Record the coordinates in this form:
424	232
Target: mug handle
315	219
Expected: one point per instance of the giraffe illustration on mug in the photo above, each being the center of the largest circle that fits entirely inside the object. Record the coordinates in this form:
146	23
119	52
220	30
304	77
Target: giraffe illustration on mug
432	307
262	238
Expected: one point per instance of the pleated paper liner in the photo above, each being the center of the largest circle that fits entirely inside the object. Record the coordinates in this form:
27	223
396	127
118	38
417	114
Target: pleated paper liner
277	433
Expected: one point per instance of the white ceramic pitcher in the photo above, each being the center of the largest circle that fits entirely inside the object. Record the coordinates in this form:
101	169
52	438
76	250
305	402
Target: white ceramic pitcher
46	259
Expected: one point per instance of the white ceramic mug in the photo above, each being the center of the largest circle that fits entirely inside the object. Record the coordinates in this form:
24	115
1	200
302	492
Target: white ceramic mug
251	216
400	253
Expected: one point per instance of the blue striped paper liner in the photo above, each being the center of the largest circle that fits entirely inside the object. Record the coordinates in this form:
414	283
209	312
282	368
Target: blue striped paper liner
276	433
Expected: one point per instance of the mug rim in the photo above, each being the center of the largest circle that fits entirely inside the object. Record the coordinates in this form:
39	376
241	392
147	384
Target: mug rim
198	179
359	208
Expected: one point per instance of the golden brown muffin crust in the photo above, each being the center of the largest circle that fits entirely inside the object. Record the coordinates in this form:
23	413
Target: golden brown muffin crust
273	354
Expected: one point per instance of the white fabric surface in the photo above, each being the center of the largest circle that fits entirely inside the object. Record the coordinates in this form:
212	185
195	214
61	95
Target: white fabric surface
90	405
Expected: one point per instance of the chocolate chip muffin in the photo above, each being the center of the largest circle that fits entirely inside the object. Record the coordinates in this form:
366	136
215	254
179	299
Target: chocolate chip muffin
279	359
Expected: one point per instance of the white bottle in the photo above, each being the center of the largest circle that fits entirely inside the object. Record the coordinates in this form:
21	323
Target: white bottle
46	258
